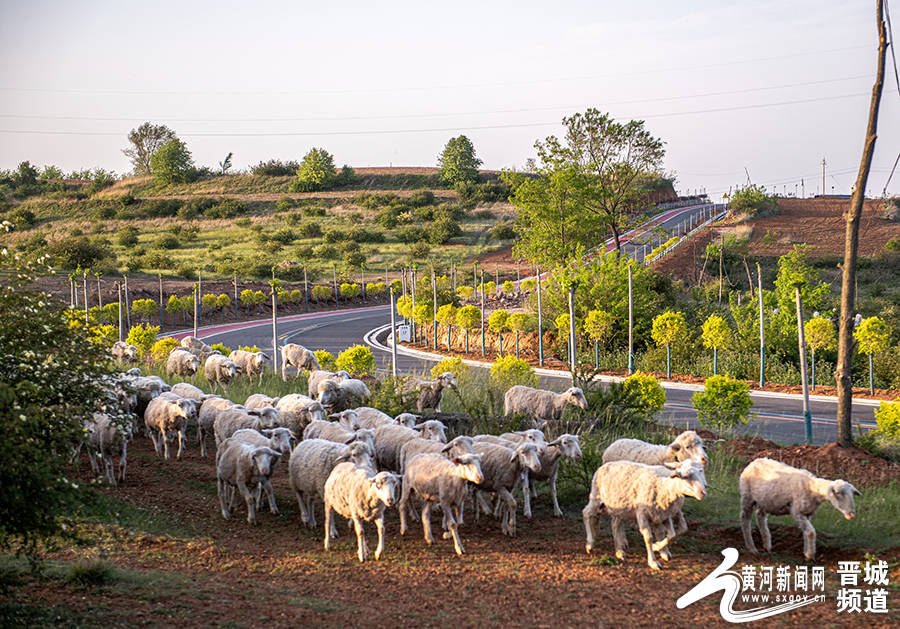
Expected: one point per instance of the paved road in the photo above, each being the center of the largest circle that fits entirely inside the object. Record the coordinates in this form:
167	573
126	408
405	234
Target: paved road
779	418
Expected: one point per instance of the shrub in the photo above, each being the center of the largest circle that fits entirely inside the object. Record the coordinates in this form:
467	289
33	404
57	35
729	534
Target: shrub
77	251
166	241
528	285
22	218
350	291
242	222
648	389
419	249
226	208
502	231
226	351
275	168
455	366
357	360
142	337
893	244
160	350
753	201
326	359
410	234
442	230
887	417
355	259
421	197
171	162
723	404
316	171
127	236
325	252
510	371
309	230
143	308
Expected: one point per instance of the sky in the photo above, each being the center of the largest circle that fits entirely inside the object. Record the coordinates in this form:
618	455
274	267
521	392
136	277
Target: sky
757	91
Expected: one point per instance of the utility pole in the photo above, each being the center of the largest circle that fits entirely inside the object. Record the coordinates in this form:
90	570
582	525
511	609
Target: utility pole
537	274
762	330
801	339
274	323
482	312
851	245
630	326
393	336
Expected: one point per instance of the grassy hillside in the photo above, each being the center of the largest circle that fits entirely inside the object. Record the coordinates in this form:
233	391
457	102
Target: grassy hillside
248	223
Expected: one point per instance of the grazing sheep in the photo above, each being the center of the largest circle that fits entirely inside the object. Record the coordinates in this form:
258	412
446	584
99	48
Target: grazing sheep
296	410
108	439
628	490
293	355
312	461
230	421
389	438
774	488
431	392
123	353
198	348
278	439
339	433
193	405
343	394
317	377
258	400
164	417
435	478
182	362
687	445
665	532
249	363
502	468
373	418
550	454
187	390
219	370
359	494
119	393
148	388
540	404
459	445
494	439
206	418
242	466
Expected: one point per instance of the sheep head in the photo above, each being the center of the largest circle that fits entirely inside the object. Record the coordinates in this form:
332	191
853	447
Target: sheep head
407	419
385	485
264	459
468	466
575	396
688	446
568	445
840	494
693	474
447	379
528	456
432	429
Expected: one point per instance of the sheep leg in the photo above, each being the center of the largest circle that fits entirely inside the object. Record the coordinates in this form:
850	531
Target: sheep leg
644	526
556	510
362	549
402	507
482	502
662	537
180	443
379	524
311	510
747	508
526	494
223	499
618	530
809	535
304	515
165	441
249	499
95	467
201	437
426	522
509	511
152	434
451	523
123	461
328	525
110	469
270	493
333	529
590	517
682	524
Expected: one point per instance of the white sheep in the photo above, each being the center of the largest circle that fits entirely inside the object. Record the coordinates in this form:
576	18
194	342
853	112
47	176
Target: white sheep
250	363
431	392
540	404
258	400
373	418
628	490
230	421
182	362
502	468
107	439
278	439
123	353
687	445
359	494
343	394
666	531
187	390
389	438
774	488
296	410
293	355
219	370
198	348
434	478
462	444
312	461
241	466
318	376
164	417
550	454
148	388
339	433
206	418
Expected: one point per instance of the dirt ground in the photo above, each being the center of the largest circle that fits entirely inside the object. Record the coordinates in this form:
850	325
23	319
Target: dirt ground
212	572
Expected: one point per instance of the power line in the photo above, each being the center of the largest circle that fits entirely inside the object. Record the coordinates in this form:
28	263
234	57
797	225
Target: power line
107	91
434	129
432	115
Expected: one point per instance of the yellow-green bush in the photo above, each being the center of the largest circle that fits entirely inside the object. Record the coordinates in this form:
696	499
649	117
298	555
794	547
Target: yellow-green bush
648	389
357	360
159	351
326	359
510	371
142	337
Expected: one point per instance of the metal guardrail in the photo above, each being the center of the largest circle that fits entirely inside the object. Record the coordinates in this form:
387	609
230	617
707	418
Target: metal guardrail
688	236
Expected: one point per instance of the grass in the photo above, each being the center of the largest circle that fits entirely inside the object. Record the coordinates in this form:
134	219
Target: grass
106	508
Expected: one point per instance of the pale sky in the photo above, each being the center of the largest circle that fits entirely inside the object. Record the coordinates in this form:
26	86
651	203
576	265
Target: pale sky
389	83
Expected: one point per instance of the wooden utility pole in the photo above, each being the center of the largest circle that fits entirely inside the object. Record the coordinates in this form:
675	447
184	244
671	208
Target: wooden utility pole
851	243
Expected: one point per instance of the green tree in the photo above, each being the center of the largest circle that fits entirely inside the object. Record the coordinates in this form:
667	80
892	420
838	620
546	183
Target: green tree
316	171
873	336
794	270
646	388
465	292
142	337
669	328
357	360
599	327
468	318
171	162
753	201
144	308
209	302
223	301
446	315
716	334
509	371
179	304
723	403
820	335
145	141
349	290
458	163
520	322
497	322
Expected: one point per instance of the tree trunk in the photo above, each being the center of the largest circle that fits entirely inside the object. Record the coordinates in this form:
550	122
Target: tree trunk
851	242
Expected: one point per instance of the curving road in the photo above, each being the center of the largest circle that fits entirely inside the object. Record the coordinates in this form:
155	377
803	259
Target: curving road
780	417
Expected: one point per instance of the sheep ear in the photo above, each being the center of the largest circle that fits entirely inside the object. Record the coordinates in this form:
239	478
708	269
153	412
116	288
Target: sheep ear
671	465
515	455
419	427
854	490
351	438
334	416
555	442
675	447
342	457
267	431
446	448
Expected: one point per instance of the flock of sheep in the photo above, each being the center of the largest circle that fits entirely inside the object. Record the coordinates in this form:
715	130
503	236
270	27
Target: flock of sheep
358	461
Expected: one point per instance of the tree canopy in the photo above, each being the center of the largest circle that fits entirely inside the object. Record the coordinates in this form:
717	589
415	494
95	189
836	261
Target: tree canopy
458	163
171	162
316	171
145	141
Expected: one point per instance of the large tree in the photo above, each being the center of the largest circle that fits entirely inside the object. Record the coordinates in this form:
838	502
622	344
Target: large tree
614	161
316	171
458	163
171	162
145	141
